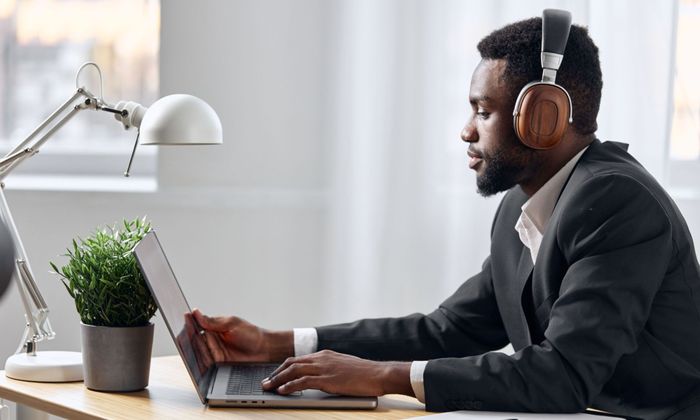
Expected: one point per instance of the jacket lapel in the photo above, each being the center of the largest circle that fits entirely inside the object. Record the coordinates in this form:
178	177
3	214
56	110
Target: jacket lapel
523	274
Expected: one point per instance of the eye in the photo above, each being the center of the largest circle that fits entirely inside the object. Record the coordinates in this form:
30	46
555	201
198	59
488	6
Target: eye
483	115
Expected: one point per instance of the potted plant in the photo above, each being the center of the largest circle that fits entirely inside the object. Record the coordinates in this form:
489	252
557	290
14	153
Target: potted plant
115	307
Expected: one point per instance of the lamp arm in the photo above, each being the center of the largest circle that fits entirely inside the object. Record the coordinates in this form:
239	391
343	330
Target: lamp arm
78	93
8	163
128	113
36	311
30	146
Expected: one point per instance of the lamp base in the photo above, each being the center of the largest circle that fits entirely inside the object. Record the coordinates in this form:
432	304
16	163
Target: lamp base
46	366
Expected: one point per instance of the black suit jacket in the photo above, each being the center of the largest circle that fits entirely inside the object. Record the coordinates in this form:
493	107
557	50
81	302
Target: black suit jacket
609	316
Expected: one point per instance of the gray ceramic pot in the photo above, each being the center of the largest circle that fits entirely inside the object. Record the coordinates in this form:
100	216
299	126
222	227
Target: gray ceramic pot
116	359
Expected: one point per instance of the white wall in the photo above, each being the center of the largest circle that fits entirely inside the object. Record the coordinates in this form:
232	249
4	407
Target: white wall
243	222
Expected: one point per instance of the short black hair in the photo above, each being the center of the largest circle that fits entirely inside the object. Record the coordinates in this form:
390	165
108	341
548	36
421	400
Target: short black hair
520	44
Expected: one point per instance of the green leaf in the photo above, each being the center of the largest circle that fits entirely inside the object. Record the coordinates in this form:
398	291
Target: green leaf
102	276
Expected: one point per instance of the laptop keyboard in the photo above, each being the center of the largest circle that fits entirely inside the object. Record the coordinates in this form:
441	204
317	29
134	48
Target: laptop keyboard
246	380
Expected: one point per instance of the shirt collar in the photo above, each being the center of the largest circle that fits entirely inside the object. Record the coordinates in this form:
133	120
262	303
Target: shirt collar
540	206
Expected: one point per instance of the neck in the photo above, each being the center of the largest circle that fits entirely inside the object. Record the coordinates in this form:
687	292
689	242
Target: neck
551	161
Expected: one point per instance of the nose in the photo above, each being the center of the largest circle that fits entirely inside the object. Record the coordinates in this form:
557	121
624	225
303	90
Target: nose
469	134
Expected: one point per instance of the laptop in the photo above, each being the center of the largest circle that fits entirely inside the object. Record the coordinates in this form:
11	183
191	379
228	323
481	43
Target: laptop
219	384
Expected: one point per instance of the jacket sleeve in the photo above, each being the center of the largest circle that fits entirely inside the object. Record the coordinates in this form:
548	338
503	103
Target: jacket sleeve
422	337
617	240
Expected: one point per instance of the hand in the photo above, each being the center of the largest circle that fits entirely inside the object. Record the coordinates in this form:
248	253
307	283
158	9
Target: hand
341	374
232	339
194	344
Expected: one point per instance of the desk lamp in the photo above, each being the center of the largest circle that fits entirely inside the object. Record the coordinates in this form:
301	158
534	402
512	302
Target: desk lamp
172	120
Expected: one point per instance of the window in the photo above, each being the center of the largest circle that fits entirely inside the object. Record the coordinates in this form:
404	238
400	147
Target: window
42	45
684	147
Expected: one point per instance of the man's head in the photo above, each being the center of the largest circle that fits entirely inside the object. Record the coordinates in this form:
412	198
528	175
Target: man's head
510	60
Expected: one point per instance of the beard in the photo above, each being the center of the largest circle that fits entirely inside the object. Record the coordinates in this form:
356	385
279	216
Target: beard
504	168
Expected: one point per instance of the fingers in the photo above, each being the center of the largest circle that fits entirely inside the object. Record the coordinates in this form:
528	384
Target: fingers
216	347
300	384
219	324
190	341
291	371
309	358
287	362
202	354
189	325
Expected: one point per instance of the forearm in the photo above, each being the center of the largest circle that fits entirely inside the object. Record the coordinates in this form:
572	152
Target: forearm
395	378
280	345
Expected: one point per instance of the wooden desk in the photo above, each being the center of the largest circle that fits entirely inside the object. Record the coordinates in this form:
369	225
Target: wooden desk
171	395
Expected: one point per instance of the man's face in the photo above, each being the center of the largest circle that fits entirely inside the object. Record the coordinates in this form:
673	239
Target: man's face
495	153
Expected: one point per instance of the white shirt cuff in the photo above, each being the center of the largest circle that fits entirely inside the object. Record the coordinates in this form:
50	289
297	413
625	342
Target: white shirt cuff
417	370
305	341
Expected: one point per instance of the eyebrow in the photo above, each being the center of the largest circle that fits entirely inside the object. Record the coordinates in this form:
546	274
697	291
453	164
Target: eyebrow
479	98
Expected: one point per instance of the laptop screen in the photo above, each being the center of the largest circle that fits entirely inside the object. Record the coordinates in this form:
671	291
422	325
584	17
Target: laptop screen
176	311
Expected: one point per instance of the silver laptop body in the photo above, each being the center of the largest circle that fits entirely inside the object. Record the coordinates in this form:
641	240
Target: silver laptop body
220	384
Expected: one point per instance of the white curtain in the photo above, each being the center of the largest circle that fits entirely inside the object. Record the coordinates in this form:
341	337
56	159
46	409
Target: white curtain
405	225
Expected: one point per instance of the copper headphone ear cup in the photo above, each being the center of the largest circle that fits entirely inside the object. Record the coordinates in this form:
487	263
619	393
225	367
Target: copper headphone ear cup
542	117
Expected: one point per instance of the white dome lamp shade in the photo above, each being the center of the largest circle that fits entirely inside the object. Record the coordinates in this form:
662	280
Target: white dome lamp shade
180	120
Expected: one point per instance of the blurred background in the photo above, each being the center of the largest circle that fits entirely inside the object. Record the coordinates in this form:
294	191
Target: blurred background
342	188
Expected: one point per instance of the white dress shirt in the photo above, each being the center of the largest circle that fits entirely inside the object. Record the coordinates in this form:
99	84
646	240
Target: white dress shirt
530	226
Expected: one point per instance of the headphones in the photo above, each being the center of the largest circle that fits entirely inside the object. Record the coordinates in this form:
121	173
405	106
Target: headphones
543	108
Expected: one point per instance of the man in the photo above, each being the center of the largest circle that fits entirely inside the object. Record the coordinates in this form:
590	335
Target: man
592	277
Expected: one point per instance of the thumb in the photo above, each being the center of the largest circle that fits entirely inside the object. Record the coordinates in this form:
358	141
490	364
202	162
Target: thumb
219	324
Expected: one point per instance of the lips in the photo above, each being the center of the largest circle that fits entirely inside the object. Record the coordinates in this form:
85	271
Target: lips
474	159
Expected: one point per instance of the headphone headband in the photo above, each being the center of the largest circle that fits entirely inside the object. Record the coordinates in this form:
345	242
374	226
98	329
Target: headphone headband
555	33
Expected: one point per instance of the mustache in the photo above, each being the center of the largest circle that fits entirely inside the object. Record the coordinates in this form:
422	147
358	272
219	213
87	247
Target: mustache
472	152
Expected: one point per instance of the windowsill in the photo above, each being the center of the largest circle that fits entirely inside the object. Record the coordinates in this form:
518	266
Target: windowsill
81	183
